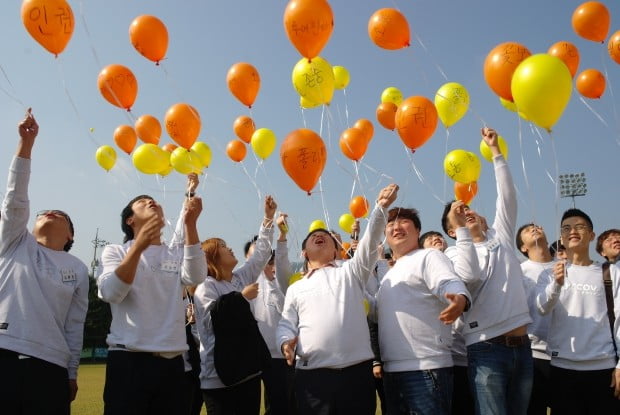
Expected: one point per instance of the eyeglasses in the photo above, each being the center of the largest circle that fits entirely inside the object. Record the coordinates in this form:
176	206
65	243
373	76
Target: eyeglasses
580	227
55	213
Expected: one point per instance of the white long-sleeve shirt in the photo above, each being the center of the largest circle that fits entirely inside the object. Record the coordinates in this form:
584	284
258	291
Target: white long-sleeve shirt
491	269
149	315
536	273
326	309
579	333
43	292
409	301
208	293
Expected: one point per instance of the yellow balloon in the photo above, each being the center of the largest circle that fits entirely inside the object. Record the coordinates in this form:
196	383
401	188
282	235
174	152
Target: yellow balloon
341	77
307	104
166	171
150	159
366	306
462	166
452	102
346	222
486	151
294	278
393	95
317	224
203	151
185	161
541	87
263	142
314	80
509	105
106	157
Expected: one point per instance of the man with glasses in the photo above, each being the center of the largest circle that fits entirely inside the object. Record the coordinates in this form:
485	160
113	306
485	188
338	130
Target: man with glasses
43	298
585	375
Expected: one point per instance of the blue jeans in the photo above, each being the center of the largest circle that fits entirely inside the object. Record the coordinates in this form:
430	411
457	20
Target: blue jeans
419	391
500	377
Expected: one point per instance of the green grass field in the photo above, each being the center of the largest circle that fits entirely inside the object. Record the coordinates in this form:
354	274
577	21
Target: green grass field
89	399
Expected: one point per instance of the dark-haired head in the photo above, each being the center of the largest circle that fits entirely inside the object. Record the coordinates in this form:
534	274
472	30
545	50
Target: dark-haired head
128	213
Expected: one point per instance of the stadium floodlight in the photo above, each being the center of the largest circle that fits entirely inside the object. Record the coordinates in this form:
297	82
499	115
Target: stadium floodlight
573	185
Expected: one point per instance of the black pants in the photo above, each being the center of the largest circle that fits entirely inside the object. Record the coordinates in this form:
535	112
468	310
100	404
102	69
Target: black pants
241	399
192	404
575	392
139	383
541	392
350	390
30	386
462	399
279	393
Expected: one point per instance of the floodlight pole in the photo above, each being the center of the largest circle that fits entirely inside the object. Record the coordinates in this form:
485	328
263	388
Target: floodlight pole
572	185
97	243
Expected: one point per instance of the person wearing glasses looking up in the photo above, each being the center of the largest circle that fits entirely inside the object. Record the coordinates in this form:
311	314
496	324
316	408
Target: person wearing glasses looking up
43	297
581	340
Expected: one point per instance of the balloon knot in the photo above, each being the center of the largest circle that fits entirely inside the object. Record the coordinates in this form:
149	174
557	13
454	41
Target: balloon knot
157	63
413	151
309	194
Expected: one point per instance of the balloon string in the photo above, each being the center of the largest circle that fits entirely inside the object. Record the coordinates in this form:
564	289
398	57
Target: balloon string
524	169
346	107
439	69
13	95
258	192
171	81
420	176
322	119
611	93
549	175
445	177
90	40
303	116
325	212
597	115
557	186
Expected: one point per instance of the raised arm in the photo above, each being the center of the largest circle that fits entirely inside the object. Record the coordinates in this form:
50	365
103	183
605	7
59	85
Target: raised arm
194	261
463	255
284	270
178	236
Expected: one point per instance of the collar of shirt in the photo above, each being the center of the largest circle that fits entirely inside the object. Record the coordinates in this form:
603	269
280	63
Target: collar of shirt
310	272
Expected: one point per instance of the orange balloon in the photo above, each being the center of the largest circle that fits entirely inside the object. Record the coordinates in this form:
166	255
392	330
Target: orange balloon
359	207
388	29
568	53
500	64
236	150
183	124
244	82
244	127
118	85
613	47
125	138
591	21
416	121
590	83
465	192
308	25
49	22
344	249
148	129
149	36
353	143
386	115
303	155
367	128
169	147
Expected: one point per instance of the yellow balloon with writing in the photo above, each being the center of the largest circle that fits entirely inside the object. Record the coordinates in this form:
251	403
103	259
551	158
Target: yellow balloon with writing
541	87
263	142
186	161
486	151
150	159
452	103
314	80
106	157
462	166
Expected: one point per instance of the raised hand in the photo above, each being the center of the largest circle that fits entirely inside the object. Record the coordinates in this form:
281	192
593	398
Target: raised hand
457	214
490	137
387	195
28	130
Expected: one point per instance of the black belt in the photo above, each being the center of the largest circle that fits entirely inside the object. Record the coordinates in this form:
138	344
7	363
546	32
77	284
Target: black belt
511	341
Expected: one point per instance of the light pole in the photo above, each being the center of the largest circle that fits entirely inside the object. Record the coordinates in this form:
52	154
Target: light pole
97	243
572	185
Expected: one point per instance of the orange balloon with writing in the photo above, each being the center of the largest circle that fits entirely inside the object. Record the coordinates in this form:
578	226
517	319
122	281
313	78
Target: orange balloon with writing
568	53
303	156
149	37
243	82
465	192
591	21
309	25
125	138
236	150
148	129
244	127
386	115
358	206
118	86
367	128
183	124
590	83
49	22
416	121
353	143
500	64
613	47
388	28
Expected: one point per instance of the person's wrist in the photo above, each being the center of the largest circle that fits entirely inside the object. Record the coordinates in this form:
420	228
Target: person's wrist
190	194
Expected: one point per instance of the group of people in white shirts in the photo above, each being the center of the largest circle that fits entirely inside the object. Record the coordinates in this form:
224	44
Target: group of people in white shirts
461	329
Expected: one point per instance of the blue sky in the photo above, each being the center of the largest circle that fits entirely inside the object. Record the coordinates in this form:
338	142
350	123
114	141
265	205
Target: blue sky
206	38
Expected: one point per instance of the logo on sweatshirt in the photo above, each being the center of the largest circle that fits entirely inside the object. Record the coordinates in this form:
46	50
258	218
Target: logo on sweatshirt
473	324
4	326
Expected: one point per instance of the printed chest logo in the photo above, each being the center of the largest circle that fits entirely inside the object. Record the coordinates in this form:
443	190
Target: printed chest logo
473	324
68	275
583	288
